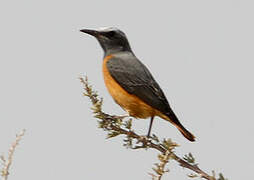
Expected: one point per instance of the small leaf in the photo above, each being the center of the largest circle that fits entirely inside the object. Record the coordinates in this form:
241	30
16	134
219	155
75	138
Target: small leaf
112	134
192	175
221	177
169	144
189	158
155	138
128	124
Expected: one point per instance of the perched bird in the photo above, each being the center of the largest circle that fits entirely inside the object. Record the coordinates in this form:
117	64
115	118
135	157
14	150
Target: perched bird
130	83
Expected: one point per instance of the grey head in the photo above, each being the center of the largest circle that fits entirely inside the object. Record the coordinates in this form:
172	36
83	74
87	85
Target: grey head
112	40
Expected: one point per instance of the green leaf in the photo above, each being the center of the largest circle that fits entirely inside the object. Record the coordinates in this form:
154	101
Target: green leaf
112	134
169	144
221	177
189	158
128	124
192	175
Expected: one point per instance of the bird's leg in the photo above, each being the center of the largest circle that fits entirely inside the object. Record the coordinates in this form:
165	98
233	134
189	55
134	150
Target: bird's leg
150	127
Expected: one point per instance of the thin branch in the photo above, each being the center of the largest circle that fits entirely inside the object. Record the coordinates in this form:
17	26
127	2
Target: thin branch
160	167
115	126
7	163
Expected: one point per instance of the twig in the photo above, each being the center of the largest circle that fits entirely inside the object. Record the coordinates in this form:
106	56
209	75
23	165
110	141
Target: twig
113	125
160	167
7	163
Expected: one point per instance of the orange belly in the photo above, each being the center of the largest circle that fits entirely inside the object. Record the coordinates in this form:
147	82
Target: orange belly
129	102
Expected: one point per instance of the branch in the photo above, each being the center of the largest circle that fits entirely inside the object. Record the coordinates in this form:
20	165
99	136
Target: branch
7	163
115	125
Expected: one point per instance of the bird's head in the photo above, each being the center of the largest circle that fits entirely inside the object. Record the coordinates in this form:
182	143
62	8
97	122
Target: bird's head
111	39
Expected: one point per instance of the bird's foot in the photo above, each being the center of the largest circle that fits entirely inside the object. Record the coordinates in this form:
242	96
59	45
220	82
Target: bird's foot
144	137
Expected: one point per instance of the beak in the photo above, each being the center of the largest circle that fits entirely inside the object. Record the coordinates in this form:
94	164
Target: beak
90	31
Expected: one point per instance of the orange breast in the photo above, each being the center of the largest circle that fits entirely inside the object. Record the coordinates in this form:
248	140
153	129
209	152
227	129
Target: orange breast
131	103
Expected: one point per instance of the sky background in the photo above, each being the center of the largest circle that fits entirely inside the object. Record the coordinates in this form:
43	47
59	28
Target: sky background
200	52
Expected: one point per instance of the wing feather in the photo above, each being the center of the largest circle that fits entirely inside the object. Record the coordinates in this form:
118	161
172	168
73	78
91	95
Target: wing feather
136	79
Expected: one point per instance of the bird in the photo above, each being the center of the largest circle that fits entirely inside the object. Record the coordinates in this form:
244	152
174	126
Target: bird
129	81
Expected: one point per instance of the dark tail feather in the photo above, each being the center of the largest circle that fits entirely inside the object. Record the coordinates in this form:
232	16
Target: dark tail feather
174	120
185	132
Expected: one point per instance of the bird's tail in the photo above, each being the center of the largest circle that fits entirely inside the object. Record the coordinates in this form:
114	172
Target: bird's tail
174	120
185	133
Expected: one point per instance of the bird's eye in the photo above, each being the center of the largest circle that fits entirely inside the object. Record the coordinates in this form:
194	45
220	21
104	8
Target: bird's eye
111	33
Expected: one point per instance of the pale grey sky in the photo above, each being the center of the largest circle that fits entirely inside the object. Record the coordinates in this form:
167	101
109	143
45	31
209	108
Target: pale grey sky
200	52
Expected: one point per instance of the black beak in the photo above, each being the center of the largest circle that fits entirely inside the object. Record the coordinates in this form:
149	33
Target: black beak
90	31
